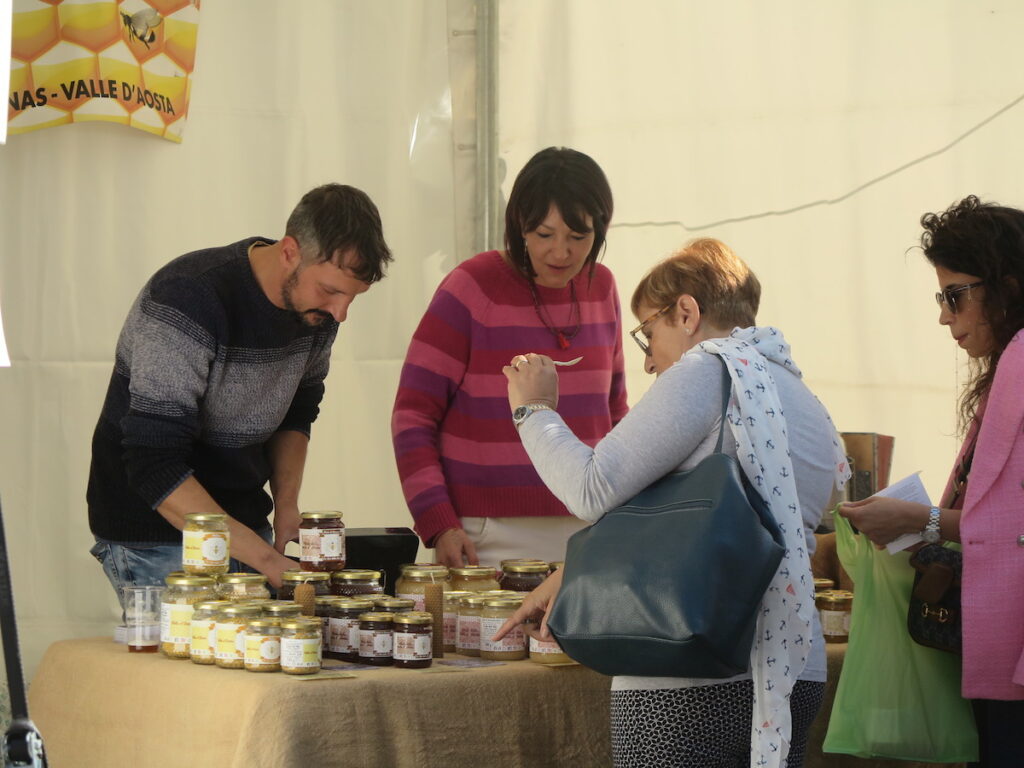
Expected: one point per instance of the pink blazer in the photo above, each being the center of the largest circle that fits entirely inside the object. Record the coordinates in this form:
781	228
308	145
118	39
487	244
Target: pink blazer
992	532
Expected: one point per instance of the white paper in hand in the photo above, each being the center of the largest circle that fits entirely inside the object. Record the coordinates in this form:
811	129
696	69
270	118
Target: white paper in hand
910	488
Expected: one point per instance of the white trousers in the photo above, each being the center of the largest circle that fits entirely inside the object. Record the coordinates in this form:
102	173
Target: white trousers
505	538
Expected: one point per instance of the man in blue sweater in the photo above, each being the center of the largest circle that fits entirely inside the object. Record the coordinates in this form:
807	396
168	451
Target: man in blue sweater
217	380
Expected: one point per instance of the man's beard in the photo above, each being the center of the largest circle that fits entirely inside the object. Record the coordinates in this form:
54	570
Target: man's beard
311	317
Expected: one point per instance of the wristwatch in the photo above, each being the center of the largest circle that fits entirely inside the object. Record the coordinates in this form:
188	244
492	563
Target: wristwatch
520	414
931	531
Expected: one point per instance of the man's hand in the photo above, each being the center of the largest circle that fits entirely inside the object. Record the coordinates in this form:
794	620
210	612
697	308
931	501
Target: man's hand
452	545
286	527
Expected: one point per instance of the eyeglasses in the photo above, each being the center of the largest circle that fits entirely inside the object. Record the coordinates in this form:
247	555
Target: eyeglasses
637	333
950	297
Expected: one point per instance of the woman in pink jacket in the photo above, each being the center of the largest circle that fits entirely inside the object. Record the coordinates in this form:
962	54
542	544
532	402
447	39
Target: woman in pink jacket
977	250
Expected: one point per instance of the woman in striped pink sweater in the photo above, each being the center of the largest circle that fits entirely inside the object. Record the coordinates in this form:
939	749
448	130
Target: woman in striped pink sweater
472	491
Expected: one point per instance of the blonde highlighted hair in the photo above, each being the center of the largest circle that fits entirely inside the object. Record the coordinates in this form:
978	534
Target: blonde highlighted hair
721	283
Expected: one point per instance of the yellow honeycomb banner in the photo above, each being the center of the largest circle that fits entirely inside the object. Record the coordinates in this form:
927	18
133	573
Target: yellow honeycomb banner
120	61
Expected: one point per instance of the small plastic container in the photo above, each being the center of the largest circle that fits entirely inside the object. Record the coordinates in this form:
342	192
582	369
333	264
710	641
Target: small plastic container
176	607
413	640
376	639
493	614
353	583
322	541
242	586
301	652
263	645
203	647
205	544
474	578
291	579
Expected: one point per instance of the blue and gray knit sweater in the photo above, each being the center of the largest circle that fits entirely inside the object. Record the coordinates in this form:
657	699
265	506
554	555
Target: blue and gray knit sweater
207	370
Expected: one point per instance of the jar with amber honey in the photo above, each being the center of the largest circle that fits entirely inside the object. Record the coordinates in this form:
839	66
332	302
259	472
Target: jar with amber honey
205	544
523	577
823	585
263	645
203	645
344	641
474	578
176	607
300	646
412	584
376	638
291	579
413	640
451	617
835	608
352	583
493	614
547	652
242	586
231	622
322	541
467	633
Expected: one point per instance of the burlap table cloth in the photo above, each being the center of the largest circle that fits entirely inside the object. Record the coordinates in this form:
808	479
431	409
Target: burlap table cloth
98	705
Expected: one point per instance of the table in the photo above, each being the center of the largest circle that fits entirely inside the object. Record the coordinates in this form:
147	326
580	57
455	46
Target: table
98	705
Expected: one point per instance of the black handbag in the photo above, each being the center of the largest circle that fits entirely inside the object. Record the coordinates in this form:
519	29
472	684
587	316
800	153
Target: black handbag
933	618
669	583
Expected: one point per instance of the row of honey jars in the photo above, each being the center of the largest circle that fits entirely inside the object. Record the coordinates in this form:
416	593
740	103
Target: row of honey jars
467	621
404	640
203	646
291	645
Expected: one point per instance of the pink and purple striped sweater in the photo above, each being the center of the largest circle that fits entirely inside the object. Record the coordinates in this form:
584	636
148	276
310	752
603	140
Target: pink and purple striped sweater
457	451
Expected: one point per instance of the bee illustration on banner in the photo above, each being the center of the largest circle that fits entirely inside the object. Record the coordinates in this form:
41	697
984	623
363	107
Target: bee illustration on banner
140	25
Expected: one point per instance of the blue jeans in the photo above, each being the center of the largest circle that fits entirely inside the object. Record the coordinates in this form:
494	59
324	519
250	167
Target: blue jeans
139	564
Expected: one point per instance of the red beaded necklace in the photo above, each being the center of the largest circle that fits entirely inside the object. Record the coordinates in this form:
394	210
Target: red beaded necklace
565	336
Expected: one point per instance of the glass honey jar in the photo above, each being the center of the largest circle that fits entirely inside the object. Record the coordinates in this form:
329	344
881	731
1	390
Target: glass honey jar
291	579
376	639
493	614
451	617
474	578
835	608
412	584
344	640
467	637
205	544
322	541
352	583
413	640
176	607
231	622
393	604
263	645
523	577
301	649
203	645
242	586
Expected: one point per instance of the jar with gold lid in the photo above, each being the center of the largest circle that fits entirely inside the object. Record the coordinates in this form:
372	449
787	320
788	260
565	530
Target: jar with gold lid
376	638
322	541
344	639
301	649
451	618
176	607
523	577
281	609
292	578
547	652
474	578
493	614
555	565
389	604
412	584
205	544
835	607
323	607
242	586
413	640
263	645
823	585
231	622
203	644
354	582
467	633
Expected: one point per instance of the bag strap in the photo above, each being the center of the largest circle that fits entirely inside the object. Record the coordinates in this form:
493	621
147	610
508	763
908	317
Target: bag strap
726	391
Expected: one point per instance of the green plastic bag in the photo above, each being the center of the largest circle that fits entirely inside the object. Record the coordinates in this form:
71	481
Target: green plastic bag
895	699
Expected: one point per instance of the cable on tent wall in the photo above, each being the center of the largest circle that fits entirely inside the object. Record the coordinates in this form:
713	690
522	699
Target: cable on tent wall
831	201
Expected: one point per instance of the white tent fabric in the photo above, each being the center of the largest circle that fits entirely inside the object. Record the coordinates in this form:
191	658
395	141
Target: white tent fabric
698	112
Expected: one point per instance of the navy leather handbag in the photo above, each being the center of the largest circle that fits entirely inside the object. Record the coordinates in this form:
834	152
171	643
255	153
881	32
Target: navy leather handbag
669	583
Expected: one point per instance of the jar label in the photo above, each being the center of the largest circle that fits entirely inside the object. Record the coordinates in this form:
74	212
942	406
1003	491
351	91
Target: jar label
175	623
262	649
204	548
353	636
835	623
450	622
228	642
420	600
200	647
300	652
340	641
375	643
544	646
513	641
468	632
413	646
318	544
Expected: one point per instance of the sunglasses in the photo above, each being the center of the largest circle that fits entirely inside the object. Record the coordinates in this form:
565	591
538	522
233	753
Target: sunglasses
637	333
951	296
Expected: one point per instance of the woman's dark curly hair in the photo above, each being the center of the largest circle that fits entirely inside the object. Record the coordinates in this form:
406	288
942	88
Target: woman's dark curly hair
987	240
